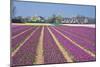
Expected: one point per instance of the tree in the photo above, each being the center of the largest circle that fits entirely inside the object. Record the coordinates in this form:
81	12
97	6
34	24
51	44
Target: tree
17	19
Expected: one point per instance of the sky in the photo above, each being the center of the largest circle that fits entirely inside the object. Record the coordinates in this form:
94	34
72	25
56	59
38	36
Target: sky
48	9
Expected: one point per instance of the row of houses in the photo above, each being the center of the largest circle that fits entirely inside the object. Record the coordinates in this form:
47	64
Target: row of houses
32	19
72	20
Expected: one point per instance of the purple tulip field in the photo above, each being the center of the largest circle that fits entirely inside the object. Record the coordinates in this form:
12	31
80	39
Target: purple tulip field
48	44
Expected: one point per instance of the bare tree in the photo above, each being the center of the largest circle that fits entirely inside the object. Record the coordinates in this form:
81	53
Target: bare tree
14	11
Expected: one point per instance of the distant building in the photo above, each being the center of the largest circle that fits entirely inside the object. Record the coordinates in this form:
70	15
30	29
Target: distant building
76	20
